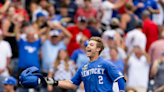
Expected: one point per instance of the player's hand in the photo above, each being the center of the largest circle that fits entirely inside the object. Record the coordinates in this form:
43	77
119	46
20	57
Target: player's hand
50	81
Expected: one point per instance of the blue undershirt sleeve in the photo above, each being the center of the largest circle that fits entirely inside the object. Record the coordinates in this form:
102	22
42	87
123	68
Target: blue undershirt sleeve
121	84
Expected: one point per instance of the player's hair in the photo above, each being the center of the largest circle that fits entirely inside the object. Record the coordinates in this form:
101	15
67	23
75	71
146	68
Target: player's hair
57	62
99	41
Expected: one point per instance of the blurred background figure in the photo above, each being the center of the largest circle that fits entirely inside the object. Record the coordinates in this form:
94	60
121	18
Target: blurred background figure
77	32
49	51
119	63
61	69
157	72
71	10
86	11
5	58
111	42
150	29
135	36
9	84
137	64
79	55
128	19
156	50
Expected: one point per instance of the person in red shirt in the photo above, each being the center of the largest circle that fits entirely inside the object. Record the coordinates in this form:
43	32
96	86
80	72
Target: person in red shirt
86	11
20	10
77	32
149	28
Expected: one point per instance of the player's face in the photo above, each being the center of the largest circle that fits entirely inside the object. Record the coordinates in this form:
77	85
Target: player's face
91	49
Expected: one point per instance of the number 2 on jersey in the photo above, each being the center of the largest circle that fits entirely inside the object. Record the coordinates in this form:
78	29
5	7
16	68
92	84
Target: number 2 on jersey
100	79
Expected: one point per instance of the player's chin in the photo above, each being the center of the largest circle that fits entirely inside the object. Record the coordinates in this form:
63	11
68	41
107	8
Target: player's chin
88	54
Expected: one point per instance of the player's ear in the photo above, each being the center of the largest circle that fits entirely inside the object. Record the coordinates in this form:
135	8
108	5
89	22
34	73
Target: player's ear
98	49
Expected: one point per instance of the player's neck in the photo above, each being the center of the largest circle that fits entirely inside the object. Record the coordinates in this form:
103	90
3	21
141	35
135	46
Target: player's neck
94	58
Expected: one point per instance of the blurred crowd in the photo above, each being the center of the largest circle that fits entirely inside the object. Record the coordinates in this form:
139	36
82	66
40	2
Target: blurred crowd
52	35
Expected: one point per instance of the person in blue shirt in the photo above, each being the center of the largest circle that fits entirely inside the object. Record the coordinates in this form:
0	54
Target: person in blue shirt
9	84
141	5
79	56
118	62
98	75
71	10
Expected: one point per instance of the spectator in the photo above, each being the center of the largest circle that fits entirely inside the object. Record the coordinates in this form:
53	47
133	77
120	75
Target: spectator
156	48
67	20
108	7
77	32
92	25
111	42
52	18
128	19
150	29
79	55
61	70
135	37
10	84
71	7
40	24
4	7
158	18
142	5
119	63
42	8
29	48
95	4
158	71
86	11
50	48
138	64
5	58
115	31
20	10
8	25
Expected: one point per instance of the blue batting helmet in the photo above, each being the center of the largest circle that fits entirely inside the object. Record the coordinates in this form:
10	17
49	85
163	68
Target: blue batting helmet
30	77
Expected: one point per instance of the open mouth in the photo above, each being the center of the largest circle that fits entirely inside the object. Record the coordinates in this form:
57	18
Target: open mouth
88	50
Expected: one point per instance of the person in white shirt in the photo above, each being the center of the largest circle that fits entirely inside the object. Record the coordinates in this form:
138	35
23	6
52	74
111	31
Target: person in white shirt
5	57
135	37
138	69
158	18
112	43
108	7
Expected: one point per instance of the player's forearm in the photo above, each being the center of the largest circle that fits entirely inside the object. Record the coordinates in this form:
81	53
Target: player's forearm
66	85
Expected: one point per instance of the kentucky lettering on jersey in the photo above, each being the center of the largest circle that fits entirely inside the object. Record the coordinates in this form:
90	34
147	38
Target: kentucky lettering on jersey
92	71
97	76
